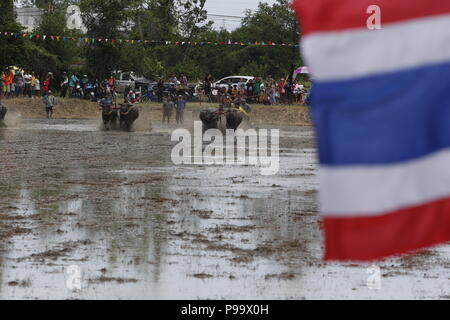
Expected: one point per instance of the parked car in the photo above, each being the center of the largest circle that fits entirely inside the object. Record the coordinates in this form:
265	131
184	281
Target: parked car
229	81
130	80
226	83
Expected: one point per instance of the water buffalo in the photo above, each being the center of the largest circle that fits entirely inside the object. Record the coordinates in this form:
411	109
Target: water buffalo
109	114
221	119
234	119
3	111
128	115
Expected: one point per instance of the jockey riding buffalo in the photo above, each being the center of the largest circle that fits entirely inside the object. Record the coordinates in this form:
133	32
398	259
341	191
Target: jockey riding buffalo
221	119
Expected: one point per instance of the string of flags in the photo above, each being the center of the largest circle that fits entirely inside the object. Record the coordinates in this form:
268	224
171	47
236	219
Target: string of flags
134	41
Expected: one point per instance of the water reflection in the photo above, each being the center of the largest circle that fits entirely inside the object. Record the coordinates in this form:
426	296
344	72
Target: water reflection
138	227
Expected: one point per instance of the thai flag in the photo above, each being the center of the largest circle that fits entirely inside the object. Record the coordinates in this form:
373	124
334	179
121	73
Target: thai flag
381	109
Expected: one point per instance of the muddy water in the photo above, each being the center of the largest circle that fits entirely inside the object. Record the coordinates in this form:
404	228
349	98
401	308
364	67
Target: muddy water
112	205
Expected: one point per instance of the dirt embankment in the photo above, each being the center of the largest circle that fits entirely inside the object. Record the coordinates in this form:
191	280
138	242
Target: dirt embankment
80	109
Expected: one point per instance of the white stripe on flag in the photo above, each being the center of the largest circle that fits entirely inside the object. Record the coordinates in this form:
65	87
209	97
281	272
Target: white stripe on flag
398	46
374	190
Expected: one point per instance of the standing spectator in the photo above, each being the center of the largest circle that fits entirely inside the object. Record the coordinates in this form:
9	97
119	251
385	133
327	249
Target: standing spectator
298	92
240	85
103	88
281	89
49	79
167	109
46	86
250	90
37	86
8	83
207	85
27	79
72	84
49	103
288	91
258	87
33	83
181	105
160	90
64	85
272	93
112	84
18	79
183	83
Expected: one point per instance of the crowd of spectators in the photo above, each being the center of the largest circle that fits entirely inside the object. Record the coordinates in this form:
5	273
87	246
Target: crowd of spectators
264	91
17	82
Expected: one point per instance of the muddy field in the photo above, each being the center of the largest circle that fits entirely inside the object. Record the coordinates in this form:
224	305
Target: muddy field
81	109
113	206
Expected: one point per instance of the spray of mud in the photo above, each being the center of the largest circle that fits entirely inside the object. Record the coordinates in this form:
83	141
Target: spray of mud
12	119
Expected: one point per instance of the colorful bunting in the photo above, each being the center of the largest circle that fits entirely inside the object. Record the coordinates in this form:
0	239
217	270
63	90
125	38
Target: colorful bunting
133	41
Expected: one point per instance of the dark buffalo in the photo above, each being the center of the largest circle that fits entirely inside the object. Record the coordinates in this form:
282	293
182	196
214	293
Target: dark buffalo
3	111
109	114
234	119
221	119
128	115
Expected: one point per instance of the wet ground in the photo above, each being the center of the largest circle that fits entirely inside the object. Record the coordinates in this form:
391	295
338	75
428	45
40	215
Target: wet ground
113	206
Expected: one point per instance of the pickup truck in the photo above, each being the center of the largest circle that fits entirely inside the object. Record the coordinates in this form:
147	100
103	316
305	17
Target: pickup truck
130	80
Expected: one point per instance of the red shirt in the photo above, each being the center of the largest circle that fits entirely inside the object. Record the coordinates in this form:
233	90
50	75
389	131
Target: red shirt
45	85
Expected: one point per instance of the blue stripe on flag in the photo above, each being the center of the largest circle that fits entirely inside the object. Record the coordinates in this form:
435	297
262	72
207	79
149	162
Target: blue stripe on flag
383	119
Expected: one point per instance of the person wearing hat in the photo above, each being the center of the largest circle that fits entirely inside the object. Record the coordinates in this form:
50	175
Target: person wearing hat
49	102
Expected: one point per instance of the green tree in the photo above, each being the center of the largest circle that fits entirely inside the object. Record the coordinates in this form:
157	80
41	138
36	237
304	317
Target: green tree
7	9
10	45
105	19
276	23
62	53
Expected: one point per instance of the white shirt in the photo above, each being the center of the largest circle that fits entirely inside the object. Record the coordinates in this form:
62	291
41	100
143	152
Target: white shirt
27	78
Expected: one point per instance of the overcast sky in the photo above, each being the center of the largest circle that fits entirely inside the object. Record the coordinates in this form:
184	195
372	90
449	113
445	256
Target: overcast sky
231	8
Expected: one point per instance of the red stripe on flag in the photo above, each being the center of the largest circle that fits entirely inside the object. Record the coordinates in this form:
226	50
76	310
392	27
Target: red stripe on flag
337	15
370	238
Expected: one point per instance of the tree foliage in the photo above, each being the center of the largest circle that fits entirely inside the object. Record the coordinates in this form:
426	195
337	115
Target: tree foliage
160	20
